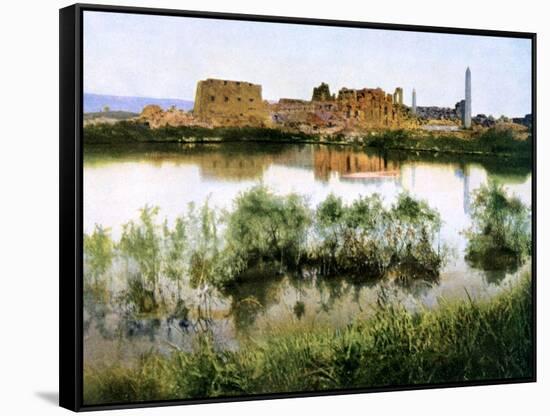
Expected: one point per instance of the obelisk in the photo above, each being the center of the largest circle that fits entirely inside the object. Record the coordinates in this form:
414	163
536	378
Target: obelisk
467	120
414	102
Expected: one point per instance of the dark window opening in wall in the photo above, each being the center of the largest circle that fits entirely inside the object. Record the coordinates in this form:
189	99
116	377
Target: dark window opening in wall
238	98
385	111
249	84
238	83
225	83
251	100
226	99
212	98
241	114
356	113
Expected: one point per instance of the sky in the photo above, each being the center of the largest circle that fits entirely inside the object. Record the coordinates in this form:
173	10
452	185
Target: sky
165	57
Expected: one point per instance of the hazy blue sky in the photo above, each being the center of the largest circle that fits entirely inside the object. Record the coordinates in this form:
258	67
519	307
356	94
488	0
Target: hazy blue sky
161	56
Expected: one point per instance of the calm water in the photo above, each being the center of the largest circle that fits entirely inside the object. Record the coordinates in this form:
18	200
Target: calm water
119	182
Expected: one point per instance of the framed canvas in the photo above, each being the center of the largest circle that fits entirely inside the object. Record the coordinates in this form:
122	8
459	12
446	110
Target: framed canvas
255	207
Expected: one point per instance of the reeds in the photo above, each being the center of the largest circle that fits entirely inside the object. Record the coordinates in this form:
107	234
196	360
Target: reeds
459	341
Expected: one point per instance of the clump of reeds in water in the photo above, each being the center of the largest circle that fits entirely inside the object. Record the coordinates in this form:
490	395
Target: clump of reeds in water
266	234
500	235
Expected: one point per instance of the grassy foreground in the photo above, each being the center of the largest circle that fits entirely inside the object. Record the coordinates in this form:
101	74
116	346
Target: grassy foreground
457	342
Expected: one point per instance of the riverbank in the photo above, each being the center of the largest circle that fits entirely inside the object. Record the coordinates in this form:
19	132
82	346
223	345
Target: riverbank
485	142
462	341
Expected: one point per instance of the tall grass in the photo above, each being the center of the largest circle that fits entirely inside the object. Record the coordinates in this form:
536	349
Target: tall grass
265	235
368	240
264	229
500	231
456	342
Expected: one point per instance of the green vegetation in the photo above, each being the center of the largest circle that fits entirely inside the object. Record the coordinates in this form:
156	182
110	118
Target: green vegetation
99	255
266	235
490	141
366	239
134	132
501	229
456	342
265	229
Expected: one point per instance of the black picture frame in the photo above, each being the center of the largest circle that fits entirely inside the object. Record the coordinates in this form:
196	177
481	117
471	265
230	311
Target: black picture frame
71	197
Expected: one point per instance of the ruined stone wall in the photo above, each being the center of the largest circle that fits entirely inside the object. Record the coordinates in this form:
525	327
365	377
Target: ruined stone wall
398	96
352	111
322	93
239	104
441	113
305	116
156	117
230	103
369	108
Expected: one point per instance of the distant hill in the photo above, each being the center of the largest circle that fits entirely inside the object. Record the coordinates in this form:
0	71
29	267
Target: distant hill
96	102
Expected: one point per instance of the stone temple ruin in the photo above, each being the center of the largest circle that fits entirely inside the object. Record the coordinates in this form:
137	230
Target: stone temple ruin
224	103
352	110
230	103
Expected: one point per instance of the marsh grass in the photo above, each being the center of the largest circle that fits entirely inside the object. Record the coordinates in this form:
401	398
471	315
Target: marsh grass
366	239
267	235
458	341
500	235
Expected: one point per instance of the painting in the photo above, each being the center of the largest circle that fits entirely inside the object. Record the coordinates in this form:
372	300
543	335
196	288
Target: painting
277	207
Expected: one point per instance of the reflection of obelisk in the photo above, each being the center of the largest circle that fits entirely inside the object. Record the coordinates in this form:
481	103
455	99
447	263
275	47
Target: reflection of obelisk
466	190
414	102
467	118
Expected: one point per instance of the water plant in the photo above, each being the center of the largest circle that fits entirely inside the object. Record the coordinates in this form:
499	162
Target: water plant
265	228
500	235
174	248
369	240
458	341
140	244
99	252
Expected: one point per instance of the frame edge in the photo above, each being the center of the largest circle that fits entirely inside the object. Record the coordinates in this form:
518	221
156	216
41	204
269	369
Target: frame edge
70	374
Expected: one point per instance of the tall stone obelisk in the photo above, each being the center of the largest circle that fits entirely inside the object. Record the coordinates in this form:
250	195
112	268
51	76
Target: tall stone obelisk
467	118
414	102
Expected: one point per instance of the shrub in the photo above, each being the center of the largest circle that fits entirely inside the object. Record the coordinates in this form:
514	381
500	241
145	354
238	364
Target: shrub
368	240
265	228
141	243
501	230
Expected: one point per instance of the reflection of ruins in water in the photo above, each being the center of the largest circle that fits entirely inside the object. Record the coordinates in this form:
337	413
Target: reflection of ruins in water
323	160
352	164
251	162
